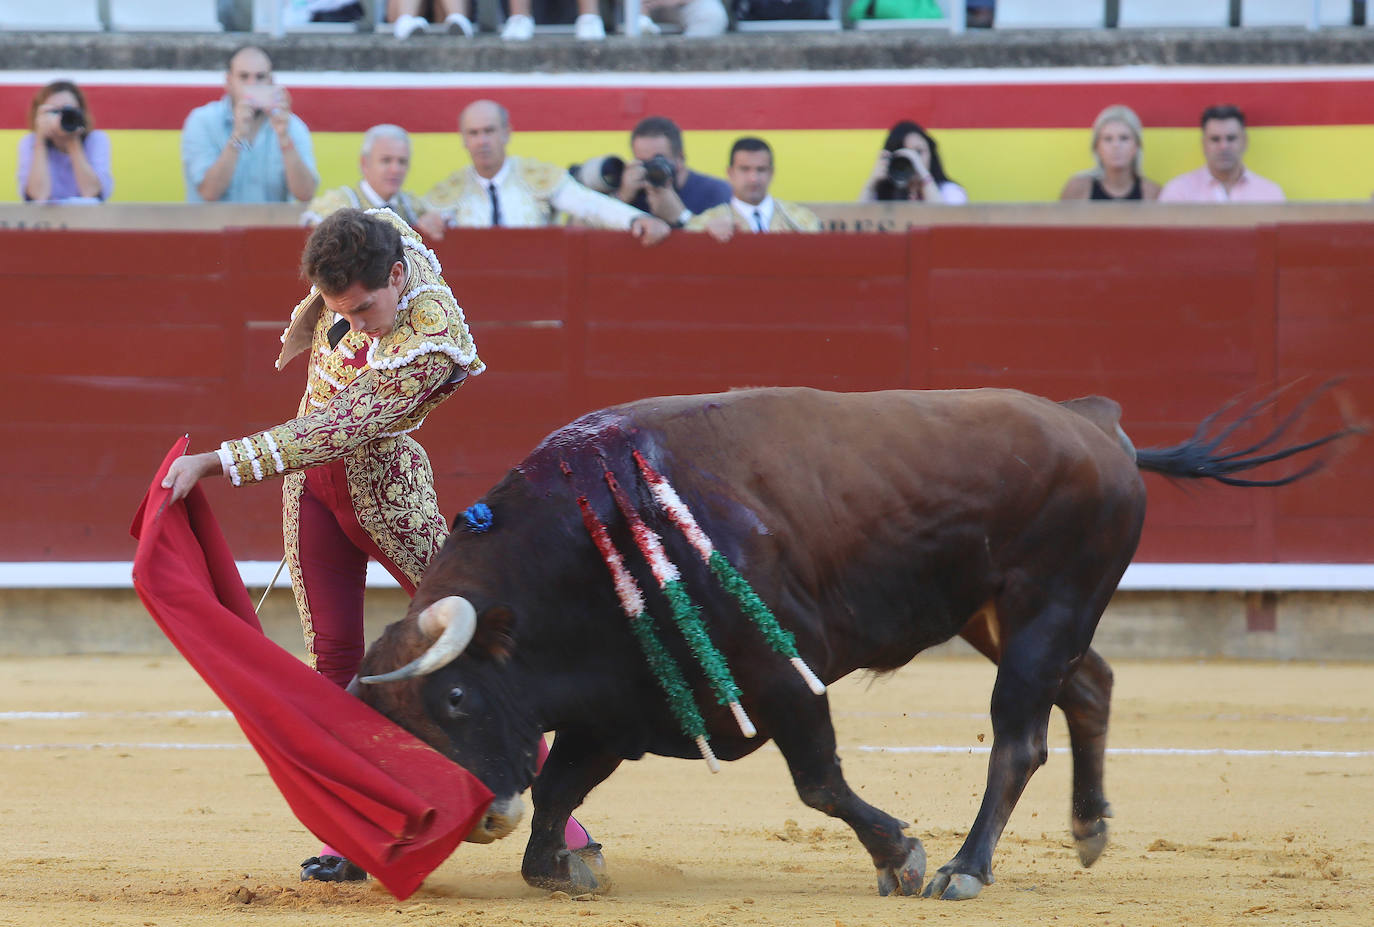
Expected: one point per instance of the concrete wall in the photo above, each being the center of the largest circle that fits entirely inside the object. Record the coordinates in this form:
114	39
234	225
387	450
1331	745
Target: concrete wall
1138	625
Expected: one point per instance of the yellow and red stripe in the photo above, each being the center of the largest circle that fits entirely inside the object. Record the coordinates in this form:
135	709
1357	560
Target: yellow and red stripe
1005	135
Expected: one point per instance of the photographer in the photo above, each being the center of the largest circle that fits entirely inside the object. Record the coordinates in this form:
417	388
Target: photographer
909	168
63	158
248	147
658	181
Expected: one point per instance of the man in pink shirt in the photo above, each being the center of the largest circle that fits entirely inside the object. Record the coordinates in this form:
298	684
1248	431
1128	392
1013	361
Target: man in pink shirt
1224	178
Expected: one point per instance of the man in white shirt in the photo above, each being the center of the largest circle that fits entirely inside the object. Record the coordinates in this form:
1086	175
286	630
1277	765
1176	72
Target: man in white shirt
384	164
752	208
517	192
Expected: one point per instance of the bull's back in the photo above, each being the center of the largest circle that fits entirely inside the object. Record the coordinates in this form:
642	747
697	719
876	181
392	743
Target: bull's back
861	505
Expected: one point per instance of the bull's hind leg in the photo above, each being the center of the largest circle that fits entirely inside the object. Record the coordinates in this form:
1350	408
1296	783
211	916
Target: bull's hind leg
1030	674
807	742
1085	700
576	765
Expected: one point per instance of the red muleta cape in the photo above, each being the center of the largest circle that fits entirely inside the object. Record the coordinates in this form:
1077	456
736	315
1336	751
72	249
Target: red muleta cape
389	802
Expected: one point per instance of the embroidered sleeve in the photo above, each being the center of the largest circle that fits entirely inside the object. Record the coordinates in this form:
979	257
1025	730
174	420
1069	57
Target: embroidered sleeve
371	407
800	218
594	209
699	222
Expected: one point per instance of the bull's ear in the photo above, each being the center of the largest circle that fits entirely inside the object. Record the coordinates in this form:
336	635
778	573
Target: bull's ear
495	635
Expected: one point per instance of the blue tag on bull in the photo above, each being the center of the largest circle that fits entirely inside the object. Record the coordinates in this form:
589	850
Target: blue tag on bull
477	518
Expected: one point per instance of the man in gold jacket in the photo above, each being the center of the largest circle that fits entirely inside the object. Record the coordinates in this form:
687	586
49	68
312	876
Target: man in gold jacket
356	483
752	208
384	163
515	192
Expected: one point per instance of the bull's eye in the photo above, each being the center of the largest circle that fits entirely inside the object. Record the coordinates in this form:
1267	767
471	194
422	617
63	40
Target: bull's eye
455	701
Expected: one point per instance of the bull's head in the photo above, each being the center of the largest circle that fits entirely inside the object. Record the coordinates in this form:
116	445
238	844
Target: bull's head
456	697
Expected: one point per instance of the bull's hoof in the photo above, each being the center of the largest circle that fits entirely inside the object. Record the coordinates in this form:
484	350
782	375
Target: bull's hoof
953	886
569	873
331	869
907	878
591	855
1090	839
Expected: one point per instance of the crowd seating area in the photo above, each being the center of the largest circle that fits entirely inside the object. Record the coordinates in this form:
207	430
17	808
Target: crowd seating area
280	16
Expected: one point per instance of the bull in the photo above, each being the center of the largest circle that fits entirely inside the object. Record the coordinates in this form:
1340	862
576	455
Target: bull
875	525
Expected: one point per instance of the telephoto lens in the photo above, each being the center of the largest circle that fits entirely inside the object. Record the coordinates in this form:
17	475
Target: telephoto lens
71	119
601	174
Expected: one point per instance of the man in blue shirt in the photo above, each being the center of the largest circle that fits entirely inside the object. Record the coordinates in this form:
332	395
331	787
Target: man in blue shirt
247	146
678	197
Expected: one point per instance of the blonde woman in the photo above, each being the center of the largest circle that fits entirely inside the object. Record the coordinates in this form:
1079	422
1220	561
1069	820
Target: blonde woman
1118	148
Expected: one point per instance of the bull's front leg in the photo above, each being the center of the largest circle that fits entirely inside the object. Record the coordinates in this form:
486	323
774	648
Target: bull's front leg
576	765
807	742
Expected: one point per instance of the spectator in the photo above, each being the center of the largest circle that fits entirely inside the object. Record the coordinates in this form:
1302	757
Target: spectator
64	158
383	163
979	14
909	168
411	16
1224	178
685	193
752	208
697	18
335	11
247	146
1118	147
520	23
516	192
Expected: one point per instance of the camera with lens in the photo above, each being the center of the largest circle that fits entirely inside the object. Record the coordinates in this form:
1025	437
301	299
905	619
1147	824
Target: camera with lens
71	119
659	171
901	171
601	174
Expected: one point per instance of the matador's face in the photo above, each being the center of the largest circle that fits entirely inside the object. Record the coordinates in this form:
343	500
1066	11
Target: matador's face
372	312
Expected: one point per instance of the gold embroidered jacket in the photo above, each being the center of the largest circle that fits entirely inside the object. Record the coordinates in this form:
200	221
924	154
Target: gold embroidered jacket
532	194
409	206
787	217
364	392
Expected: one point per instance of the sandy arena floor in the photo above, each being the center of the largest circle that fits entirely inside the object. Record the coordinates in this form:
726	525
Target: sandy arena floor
1244	794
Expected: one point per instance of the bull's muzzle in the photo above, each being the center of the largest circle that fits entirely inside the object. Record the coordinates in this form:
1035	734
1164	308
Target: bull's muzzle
499	821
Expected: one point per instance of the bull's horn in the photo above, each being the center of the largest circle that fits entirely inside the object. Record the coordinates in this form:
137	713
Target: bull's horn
454	620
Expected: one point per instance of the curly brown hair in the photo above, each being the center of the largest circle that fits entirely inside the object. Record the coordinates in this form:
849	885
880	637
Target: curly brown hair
350	247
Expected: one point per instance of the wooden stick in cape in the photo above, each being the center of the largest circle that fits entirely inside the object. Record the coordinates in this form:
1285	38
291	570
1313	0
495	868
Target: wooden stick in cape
754	607
687	615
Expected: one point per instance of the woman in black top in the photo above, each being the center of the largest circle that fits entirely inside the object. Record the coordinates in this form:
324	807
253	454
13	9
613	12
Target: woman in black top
1118	149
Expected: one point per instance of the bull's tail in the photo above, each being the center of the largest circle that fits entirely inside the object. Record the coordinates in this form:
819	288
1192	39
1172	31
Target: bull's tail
1204	456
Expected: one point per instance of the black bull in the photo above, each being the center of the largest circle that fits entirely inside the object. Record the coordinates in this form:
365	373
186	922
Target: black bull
874	525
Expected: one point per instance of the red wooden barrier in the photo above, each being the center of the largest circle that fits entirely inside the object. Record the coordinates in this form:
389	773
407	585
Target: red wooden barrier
121	340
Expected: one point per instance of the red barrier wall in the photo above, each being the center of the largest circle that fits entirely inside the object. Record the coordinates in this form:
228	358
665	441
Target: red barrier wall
128	339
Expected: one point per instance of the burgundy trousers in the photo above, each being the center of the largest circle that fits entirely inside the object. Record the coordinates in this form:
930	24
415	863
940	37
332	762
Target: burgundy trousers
334	550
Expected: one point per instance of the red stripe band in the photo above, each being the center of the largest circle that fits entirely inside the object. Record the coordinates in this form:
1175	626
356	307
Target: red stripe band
867	106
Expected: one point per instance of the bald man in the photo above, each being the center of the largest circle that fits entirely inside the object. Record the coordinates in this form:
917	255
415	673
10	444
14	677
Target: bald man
517	192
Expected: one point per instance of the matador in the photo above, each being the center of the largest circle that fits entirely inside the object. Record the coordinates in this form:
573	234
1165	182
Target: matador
387	343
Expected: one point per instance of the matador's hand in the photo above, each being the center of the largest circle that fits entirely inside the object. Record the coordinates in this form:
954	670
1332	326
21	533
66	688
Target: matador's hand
185	472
